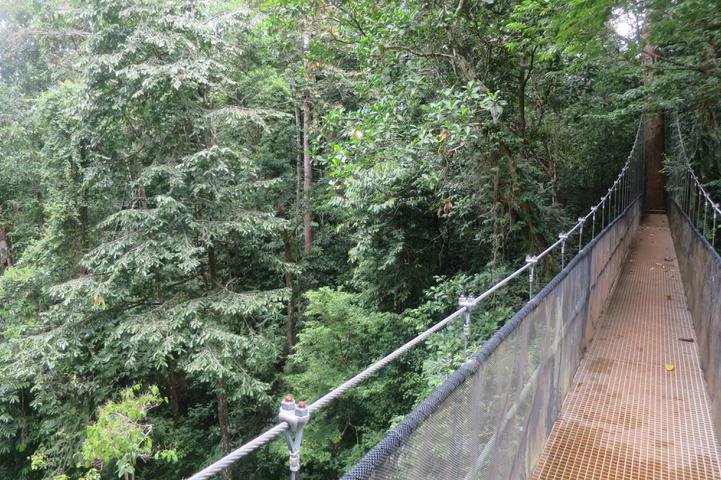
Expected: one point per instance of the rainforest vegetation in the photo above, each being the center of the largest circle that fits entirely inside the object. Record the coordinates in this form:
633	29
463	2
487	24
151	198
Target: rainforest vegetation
207	204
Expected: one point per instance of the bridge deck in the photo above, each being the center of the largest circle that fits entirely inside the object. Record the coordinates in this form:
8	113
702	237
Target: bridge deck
627	416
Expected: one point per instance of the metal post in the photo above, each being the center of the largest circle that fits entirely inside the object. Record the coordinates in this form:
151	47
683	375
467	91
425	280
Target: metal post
705	206
694	218
593	223
683	190
467	303
627	176
688	193
563	236
698	206
713	231
296	415
691	203
603	211
581	220
531	260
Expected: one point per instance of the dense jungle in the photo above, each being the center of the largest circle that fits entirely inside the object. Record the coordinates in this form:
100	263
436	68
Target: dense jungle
208	204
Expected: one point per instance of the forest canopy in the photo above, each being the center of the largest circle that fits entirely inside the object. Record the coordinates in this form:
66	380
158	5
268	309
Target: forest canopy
207	204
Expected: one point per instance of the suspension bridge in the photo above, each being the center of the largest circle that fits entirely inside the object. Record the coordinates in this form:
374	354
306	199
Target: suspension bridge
608	372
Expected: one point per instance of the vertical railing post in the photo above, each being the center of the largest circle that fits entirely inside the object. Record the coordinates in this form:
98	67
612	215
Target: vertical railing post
627	176
713	231
682	191
687	192
698	206
581	221
531	261
467	303
563	236
296	415
593	222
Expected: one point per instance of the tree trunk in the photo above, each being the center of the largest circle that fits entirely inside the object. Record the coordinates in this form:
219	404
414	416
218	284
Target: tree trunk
84	212
653	148
522	97
307	179
290	322
524	74
178	384
307	160
224	423
212	267
5	259
299	159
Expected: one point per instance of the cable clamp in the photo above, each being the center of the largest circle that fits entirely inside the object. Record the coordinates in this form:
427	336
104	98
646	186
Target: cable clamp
294	461
465	301
296	415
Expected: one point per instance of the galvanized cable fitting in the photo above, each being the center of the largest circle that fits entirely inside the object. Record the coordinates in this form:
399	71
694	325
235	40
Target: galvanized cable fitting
296	415
563	236
531	261
581	221
468	304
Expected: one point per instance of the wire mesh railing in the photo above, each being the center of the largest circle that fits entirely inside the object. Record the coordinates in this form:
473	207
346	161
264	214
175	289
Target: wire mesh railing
687	190
625	190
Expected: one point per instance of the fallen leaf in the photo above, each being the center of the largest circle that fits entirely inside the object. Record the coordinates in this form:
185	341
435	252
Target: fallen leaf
669	367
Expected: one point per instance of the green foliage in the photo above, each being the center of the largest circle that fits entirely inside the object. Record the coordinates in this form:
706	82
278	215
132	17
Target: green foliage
337	326
151	197
119	435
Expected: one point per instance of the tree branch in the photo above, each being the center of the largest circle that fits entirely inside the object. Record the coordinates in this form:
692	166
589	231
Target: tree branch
54	33
705	70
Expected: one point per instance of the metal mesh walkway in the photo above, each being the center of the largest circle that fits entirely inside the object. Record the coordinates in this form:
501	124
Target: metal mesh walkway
638	407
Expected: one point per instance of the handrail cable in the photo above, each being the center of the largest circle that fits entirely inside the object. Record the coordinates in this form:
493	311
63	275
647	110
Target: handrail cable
619	196
692	190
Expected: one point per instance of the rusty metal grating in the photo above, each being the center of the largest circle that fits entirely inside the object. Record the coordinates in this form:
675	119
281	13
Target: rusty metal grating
627	416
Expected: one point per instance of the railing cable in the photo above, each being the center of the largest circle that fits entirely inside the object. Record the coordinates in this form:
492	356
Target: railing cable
688	192
467	304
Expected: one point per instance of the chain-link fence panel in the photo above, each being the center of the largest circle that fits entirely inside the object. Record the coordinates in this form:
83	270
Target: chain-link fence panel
491	418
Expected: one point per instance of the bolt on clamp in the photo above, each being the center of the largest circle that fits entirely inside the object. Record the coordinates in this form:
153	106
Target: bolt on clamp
466	301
